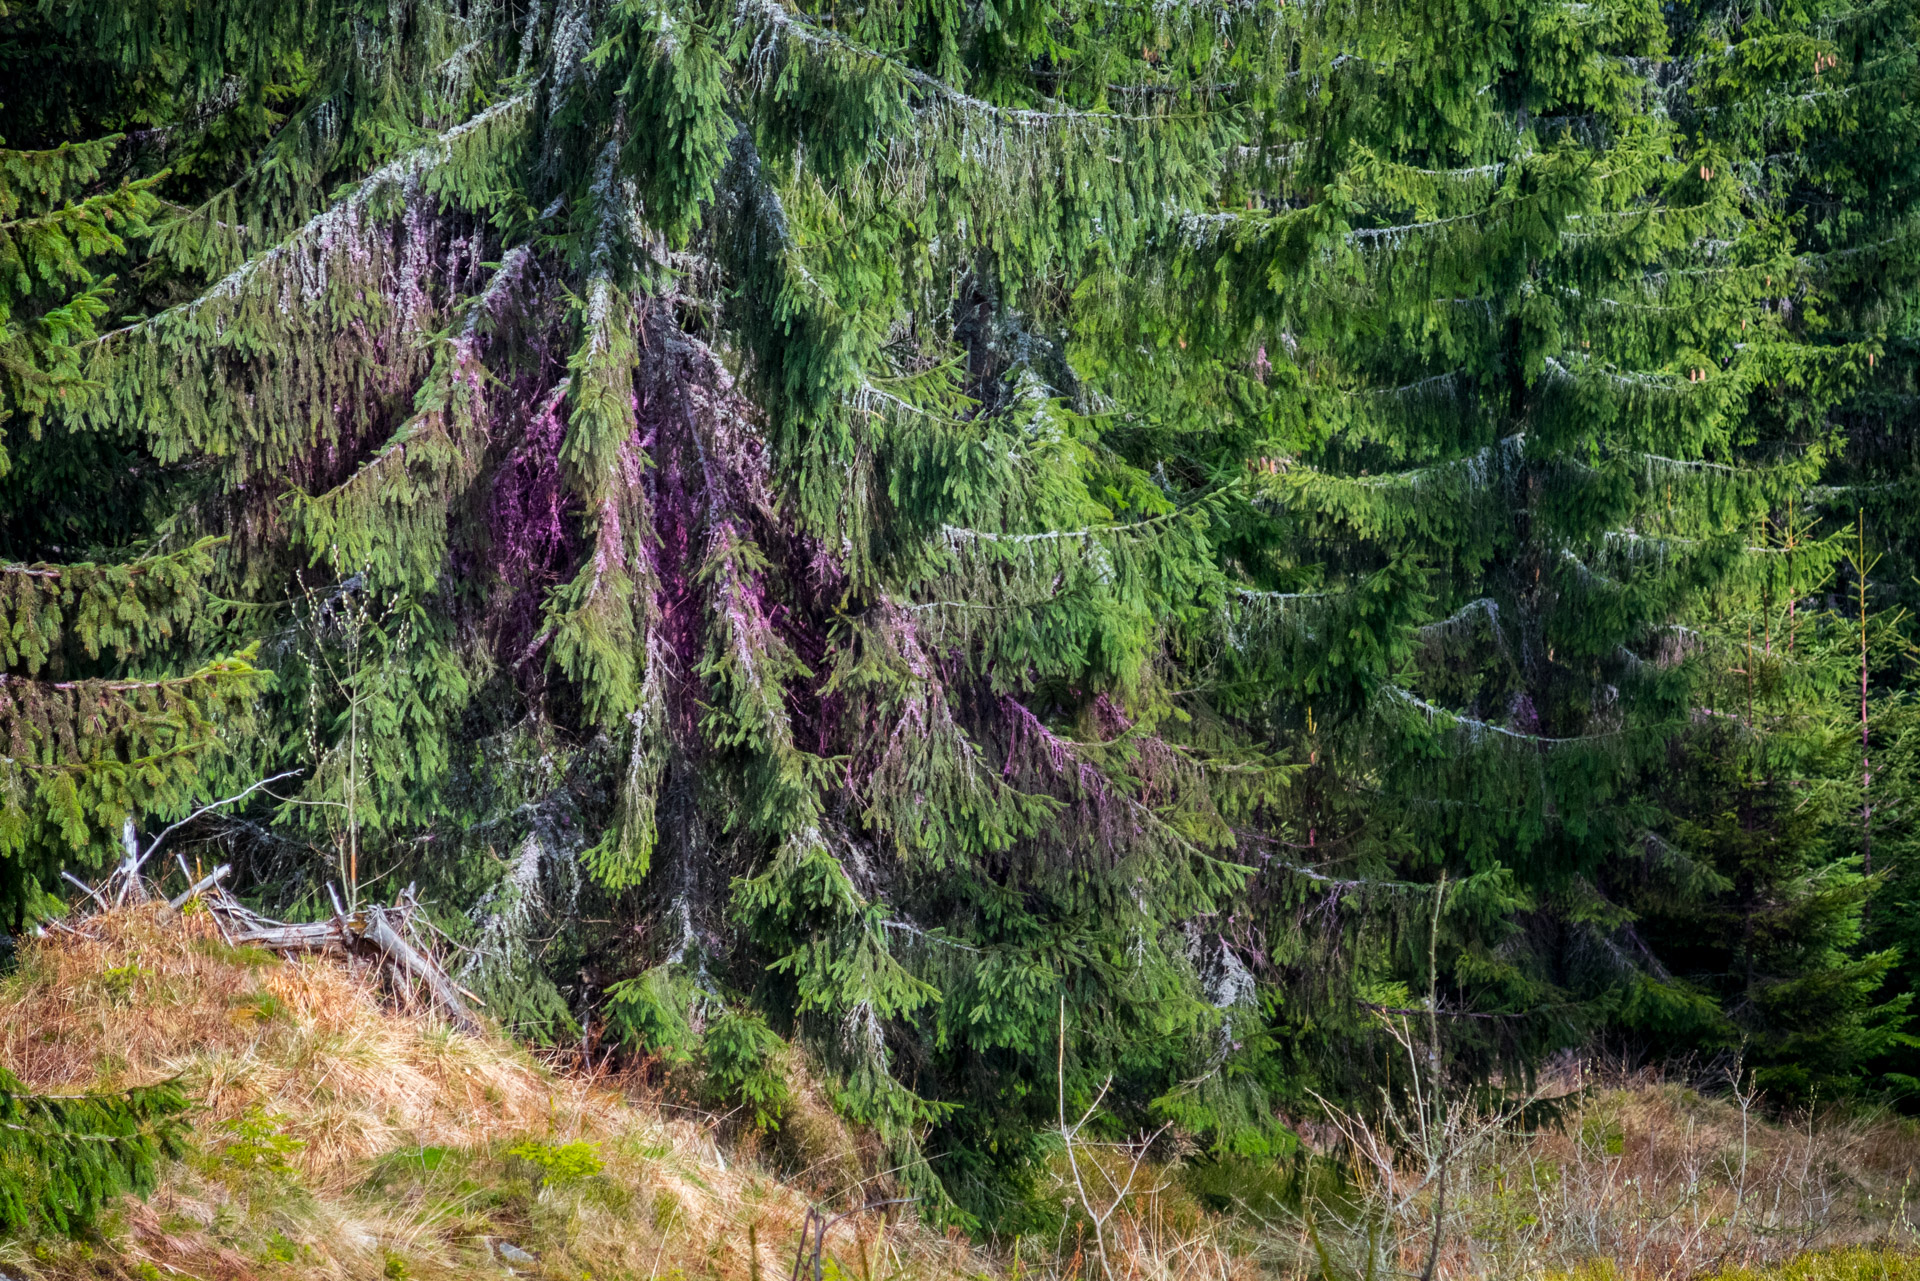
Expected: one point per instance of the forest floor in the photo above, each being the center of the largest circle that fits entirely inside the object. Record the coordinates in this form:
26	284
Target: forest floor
337	1136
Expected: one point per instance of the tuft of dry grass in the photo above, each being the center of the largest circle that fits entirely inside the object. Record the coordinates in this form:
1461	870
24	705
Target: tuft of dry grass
1643	1179
1152	1227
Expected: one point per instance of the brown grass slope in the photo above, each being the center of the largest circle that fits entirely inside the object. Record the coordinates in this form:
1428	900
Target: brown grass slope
338	1137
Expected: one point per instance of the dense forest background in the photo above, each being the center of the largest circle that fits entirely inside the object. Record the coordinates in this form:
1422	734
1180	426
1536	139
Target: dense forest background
998	547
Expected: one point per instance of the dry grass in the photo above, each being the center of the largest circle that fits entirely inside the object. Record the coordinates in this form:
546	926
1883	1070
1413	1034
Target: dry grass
1643	1178
1152	1228
1666	1180
341	1138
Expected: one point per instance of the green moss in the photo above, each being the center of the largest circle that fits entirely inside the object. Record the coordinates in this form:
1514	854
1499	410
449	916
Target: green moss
1853	1264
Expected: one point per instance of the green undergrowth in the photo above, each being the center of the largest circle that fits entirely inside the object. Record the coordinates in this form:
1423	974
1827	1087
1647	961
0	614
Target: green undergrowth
1857	1264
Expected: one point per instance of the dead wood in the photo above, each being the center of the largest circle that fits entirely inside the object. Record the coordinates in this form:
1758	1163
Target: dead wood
374	932
200	886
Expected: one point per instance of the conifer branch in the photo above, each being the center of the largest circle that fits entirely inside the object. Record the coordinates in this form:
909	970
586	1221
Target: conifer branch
414	164
775	15
1455	719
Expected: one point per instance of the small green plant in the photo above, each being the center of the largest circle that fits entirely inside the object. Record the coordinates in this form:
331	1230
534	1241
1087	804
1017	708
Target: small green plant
281	1249
255	1143
1604	1134
263	1007
559	1163
121	981
430	1157
743	1058
396	1269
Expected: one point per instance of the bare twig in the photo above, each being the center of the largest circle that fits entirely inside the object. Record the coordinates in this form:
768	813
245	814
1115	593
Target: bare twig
85	888
208	808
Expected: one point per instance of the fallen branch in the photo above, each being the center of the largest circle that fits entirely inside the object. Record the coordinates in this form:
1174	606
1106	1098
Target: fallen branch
126	881
206	882
369	928
155	843
86	889
379	932
373	930
317	937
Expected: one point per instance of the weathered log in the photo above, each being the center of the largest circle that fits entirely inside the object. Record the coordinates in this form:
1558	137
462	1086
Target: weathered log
380	932
314	937
371	929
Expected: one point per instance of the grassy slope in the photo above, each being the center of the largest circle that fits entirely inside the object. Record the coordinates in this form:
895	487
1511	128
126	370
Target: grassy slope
339	1137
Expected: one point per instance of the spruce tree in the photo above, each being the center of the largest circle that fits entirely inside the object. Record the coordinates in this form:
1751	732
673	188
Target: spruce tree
66	1158
986	541
95	732
1852	184
1801	655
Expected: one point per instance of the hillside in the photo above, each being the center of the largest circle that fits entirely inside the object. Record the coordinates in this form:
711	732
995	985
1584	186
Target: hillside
1001	551
336	1136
